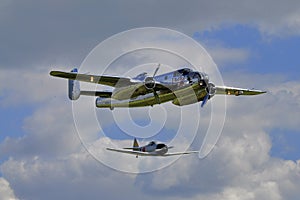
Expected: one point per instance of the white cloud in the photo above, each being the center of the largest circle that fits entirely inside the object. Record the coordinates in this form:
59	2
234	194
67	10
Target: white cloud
278	108
238	168
74	176
50	131
6	193
48	162
280	20
240	163
226	56
288	23
20	87
266	190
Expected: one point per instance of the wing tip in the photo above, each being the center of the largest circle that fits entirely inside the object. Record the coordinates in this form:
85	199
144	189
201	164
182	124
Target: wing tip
56	73
260	92
52	73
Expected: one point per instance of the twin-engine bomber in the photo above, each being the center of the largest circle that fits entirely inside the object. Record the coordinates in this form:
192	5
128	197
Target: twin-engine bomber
182	87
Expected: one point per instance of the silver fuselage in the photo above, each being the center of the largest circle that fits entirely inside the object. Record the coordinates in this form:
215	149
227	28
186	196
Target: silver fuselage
184	87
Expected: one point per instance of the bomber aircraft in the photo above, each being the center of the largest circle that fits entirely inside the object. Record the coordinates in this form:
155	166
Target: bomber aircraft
182	87
151	149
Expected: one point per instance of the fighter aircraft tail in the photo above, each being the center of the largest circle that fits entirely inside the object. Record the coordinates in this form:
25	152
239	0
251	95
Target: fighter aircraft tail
135	143
74	87
135	146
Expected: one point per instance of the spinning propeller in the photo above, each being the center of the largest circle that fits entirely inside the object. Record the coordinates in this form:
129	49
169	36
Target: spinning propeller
211	90
150	84
149	81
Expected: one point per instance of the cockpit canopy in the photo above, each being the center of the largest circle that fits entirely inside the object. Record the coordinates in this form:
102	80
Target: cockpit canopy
184	71
152	143
160	146
178	73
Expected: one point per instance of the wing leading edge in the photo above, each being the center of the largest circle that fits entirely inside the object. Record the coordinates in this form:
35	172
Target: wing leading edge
180	153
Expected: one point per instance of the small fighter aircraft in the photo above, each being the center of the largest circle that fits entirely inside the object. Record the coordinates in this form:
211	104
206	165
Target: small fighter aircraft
151	149
182	87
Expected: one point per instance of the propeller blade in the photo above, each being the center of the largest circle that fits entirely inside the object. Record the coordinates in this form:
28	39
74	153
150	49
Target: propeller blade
204	100
156	70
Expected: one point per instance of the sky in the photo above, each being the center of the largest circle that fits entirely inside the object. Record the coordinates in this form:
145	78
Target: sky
254	44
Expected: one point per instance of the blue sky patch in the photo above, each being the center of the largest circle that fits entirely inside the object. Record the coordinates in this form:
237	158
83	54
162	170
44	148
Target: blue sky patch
267	54
285	144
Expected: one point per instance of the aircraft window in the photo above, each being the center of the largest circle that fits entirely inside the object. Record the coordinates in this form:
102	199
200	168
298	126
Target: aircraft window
166	77
184	71
152	143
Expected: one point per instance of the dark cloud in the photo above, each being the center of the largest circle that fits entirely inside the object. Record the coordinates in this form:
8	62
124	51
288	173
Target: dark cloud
35	33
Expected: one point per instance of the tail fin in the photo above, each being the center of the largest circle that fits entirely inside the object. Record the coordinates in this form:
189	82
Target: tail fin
135	146
135	143
74	87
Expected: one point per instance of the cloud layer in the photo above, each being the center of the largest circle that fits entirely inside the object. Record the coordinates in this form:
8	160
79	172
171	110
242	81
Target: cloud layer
240	166
63	32
48	161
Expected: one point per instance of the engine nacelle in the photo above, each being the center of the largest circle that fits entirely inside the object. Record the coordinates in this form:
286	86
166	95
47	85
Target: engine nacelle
182	101
111	103
74	88
103	102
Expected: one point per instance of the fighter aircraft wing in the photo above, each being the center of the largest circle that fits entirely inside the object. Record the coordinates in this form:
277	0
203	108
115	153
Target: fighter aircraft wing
140	153
237	91
180	153
103	80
